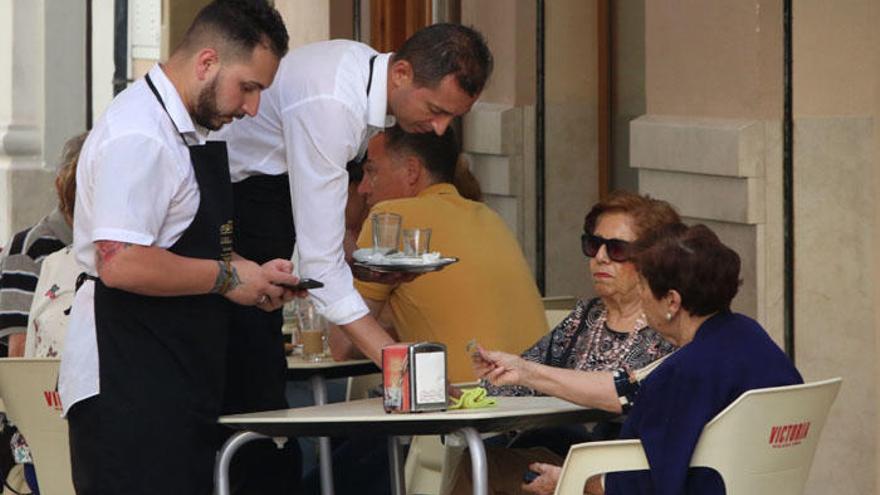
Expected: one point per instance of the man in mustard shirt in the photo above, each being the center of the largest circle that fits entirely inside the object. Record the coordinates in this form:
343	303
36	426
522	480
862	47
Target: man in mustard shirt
489	295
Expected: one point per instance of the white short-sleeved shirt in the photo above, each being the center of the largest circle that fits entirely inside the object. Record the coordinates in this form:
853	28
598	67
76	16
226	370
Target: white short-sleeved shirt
135	184
315	118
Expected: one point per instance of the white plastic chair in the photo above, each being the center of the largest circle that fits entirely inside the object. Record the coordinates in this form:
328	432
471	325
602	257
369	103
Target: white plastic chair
27	387
559	302
744	443
430	464
555	317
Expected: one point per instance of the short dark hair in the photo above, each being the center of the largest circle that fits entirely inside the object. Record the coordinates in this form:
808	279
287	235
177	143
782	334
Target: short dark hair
692	261
355	169
648	214
241	24
439	154
443	49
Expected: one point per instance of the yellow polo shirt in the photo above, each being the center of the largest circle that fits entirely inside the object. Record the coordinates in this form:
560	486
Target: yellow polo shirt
489	295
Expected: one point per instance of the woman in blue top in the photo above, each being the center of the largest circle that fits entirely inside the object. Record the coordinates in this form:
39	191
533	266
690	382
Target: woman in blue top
688	279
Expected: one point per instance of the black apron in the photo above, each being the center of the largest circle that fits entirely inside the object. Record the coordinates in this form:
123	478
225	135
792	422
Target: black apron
162	366
256	372
256	364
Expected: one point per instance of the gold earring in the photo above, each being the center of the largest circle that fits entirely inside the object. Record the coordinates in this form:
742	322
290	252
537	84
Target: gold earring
668	316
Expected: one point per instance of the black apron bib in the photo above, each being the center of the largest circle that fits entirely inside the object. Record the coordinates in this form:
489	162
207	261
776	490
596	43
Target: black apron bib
162	362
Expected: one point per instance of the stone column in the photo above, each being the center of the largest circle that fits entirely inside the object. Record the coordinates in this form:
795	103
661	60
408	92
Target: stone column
42	102
836	82
498	133
710	143
711	140
307	21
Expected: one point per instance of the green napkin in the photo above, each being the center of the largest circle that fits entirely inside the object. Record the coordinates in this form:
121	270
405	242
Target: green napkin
472	398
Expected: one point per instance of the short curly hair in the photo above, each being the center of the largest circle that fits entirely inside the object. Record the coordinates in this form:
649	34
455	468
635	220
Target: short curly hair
648	214
692	261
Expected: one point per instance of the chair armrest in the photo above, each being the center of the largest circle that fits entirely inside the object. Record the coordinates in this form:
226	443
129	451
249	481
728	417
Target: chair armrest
587	459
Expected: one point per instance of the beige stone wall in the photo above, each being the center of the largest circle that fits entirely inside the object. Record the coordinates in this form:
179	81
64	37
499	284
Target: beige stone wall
714	59
711	143
498	132
711	140
307	21
836	73
505	115
42	103
571	134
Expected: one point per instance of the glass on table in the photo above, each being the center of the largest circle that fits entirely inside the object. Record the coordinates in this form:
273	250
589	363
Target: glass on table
290	327
313	332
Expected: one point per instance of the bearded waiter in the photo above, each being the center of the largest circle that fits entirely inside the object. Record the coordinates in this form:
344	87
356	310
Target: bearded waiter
143	370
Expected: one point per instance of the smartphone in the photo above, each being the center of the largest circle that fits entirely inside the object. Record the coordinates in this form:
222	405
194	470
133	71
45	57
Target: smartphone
530	476
304	284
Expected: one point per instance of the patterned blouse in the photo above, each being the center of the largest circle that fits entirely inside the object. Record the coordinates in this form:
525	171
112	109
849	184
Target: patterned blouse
583	341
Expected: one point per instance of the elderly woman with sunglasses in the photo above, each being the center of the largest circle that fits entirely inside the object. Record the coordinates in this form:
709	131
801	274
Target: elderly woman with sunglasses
603	336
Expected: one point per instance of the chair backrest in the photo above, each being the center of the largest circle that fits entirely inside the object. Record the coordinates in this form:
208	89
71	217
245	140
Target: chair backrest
358	387
761	444
765	440
430	465
28	389
555	316
559	302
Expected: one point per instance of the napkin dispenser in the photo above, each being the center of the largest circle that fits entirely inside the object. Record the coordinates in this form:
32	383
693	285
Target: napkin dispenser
414	377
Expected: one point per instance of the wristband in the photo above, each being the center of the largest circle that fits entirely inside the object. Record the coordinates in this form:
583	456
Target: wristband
225	277
627	388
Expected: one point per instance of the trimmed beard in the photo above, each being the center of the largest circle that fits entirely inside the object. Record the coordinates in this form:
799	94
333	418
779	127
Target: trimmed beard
206	113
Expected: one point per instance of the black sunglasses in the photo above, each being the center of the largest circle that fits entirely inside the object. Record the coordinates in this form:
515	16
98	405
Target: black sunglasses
617	249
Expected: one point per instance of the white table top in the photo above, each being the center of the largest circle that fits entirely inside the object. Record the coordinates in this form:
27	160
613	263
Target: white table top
368	416
299	369
297	362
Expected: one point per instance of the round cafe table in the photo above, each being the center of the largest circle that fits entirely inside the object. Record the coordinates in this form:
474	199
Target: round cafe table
367	416
317	373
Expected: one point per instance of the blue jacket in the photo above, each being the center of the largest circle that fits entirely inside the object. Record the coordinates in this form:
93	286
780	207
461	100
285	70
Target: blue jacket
730	354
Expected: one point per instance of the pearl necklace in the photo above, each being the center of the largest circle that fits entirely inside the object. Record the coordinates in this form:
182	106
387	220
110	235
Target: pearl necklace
612	358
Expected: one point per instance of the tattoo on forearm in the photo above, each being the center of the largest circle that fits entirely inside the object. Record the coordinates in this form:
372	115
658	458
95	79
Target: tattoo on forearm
235	281
227	278
221	277
107	250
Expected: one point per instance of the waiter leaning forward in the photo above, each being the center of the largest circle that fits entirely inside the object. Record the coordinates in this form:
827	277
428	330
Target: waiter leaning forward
328	100
142	374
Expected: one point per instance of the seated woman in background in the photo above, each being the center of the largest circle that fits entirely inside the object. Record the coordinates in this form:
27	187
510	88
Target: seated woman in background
27	298
605	334
24	255
688	280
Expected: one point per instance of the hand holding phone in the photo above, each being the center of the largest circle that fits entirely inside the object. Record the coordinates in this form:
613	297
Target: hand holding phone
304	284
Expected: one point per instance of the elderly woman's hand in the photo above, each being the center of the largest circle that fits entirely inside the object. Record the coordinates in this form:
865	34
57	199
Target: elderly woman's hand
501	368
545	483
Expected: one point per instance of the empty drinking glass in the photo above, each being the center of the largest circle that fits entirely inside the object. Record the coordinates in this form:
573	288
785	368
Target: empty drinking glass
416	242
386	232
